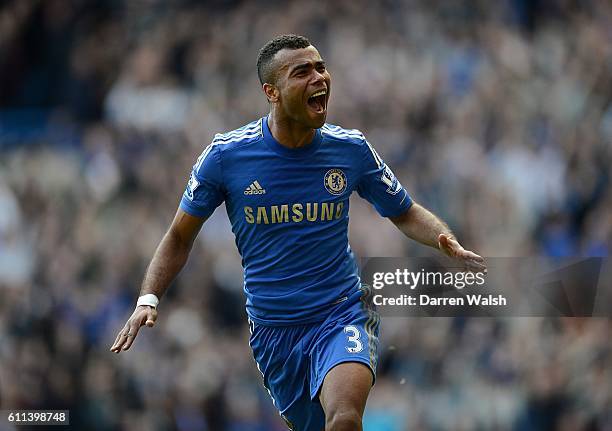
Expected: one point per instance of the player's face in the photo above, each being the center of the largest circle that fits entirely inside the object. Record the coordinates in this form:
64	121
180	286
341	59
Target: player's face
304	85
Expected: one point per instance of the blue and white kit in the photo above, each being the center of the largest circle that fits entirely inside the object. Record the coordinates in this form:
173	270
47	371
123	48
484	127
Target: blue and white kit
289	211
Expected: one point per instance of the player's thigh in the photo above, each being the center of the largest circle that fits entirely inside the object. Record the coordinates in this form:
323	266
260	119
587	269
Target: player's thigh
346	388
280	357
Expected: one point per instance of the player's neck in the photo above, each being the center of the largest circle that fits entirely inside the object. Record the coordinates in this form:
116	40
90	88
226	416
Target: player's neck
288	133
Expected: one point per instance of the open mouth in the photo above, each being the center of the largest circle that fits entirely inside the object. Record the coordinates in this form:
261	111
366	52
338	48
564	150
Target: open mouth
318	101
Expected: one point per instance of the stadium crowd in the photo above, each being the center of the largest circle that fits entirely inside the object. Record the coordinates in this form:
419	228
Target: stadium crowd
496	115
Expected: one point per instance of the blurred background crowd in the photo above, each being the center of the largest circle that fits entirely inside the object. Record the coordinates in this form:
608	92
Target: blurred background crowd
497	115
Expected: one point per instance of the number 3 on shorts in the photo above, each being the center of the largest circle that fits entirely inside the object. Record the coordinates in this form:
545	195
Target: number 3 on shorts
353	337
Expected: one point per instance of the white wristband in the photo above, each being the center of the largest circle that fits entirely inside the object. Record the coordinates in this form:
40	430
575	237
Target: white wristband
149	299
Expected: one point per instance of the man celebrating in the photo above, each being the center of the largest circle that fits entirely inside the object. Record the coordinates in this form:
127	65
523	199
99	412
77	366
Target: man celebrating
286	180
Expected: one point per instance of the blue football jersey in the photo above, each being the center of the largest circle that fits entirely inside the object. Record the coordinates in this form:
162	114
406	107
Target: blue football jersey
289	211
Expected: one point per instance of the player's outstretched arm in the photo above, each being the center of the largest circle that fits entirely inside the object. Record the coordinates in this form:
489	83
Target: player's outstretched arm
423	226
168	260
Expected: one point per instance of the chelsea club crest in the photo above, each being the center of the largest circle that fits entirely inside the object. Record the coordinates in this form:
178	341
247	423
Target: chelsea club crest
335	181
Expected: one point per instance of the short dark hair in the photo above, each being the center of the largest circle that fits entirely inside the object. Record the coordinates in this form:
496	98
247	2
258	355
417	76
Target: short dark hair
269	50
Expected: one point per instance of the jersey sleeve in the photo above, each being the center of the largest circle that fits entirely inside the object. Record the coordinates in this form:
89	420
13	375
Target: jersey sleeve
379	186
204	191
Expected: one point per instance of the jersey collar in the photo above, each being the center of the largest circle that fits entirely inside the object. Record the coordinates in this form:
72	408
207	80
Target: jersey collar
293	153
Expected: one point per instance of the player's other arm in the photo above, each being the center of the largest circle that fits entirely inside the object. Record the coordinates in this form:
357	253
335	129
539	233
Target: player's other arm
382	189
423	226
168	260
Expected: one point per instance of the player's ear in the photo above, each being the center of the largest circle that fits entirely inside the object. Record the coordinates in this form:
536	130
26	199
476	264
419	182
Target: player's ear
272	93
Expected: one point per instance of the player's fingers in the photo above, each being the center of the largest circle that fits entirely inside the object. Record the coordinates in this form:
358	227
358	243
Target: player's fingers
113	346
474	262
451	248
467	254
121	337
131	335
444	245
454	245
475	266
151	317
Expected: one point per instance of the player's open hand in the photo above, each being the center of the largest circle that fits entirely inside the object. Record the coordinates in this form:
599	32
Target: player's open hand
142	315
449	246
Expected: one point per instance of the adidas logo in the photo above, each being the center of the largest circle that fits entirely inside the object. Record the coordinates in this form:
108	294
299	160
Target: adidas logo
255	189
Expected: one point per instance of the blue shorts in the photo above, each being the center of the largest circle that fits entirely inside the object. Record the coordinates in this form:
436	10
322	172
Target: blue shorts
294	360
